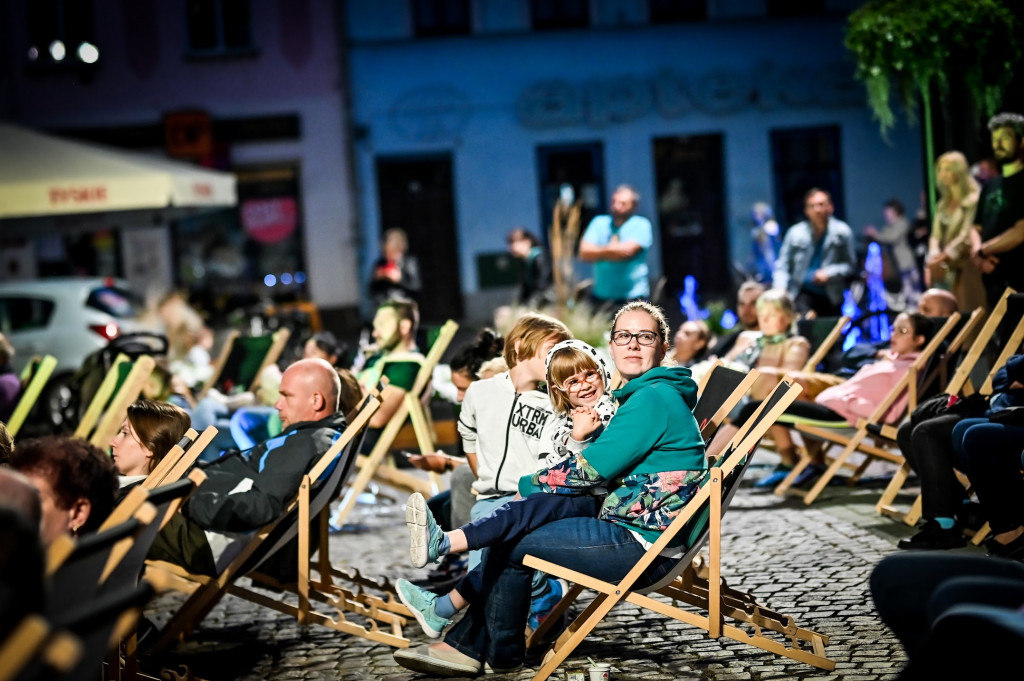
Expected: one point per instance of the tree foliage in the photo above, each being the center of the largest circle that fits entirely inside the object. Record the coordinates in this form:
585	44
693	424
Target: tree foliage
913	46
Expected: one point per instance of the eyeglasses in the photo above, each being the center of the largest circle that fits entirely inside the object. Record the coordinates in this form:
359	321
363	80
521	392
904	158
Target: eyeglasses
642	337
575	383
901	330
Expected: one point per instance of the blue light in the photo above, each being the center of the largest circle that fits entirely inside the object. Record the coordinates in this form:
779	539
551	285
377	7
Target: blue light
286	278
270	280
728	320
300	277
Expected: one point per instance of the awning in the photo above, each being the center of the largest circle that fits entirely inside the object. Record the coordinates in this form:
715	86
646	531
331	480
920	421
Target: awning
45	175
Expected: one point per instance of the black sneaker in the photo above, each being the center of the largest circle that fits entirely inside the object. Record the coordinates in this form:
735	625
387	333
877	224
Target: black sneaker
1014	550
933	537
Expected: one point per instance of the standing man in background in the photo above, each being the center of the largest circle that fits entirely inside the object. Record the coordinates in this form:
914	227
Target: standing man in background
617	244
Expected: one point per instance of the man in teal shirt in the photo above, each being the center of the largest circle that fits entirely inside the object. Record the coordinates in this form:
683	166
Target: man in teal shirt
617	245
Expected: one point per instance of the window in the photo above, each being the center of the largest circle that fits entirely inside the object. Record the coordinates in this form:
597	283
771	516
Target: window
219	27
677	11
24	313
556	14
441	17
62	35
804	158
113	301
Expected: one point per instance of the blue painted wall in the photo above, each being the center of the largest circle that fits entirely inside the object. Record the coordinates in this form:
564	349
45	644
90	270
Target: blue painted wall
622	85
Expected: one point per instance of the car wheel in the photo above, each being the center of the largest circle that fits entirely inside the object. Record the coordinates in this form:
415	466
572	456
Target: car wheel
60	405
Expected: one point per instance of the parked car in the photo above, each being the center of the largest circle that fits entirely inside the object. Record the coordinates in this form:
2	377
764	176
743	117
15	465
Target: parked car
69	318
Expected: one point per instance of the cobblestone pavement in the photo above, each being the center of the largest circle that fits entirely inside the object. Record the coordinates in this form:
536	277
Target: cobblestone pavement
809	562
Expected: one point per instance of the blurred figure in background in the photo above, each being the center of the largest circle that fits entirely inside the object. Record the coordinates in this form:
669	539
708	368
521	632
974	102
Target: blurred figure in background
535	268
948	265
766	237
396	273
10	384
690	344
896	235
746	317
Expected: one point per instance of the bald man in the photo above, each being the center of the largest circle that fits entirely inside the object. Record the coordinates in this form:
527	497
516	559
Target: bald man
246	490
937	302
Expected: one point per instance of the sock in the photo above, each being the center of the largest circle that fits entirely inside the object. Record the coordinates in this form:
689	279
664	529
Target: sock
444	546
443	607
946	523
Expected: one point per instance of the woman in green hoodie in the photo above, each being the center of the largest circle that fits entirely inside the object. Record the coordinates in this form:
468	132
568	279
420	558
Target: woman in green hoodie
650	457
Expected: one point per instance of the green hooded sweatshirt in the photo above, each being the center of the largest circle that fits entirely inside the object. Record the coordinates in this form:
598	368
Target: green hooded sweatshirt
650	456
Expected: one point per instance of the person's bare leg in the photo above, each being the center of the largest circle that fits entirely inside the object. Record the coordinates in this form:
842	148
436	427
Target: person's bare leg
457	541
721	440
784	444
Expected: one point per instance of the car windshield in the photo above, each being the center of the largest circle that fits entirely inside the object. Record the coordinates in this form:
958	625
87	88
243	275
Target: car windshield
114	301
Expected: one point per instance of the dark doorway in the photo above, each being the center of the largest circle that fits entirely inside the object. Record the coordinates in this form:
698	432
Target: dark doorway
580	165
688	174
416	195
803	158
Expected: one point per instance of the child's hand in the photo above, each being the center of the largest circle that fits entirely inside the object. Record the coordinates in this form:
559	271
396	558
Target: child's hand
585	420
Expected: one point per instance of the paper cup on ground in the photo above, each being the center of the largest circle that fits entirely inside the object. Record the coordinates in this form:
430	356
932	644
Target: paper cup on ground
601	671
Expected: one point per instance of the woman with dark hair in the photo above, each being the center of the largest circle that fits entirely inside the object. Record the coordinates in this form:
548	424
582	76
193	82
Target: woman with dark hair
76	483
324	345
147	434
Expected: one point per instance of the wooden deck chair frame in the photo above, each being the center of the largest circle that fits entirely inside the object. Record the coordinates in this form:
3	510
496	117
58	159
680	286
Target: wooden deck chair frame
41	369
35	640
959	384
857	441
720	375
205	592
411	408
826	345
277	345
712	595
107	413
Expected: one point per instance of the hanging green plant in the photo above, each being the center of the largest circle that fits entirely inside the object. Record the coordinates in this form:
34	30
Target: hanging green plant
913	46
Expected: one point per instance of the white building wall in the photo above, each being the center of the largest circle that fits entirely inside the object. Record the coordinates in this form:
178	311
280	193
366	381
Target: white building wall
267	83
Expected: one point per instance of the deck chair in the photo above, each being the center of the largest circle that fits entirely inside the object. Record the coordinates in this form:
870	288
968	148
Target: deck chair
701	520
77	571
242	359
314	494
718	393
120	387
959	384
100	623
34	646
33	379
822	333
856	439
410	409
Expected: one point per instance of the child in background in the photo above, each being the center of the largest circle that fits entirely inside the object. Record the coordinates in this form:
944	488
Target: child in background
578	381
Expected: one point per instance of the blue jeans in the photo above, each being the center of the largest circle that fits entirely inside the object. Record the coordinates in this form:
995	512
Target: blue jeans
514	519
483	508
494	624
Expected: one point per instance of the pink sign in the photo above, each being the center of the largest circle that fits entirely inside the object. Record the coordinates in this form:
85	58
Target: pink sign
269	220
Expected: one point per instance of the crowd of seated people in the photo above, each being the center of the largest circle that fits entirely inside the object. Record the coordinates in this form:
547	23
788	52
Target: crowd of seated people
68	487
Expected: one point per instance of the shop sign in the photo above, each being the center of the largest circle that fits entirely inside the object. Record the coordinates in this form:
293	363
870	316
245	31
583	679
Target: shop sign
673	94
269	220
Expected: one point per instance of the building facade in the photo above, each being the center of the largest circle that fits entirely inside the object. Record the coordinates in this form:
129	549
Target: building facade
255	87
468	117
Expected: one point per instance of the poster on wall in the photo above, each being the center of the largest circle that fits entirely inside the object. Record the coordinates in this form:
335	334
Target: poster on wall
146	260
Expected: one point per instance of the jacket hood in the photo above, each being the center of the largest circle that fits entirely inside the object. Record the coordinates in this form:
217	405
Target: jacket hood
587	349
678	378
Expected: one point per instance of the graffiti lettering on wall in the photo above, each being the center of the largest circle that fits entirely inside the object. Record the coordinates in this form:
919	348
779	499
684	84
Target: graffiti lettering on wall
673	94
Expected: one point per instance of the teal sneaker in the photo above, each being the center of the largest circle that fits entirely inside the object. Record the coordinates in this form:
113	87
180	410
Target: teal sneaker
424	534
541	606
421	604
